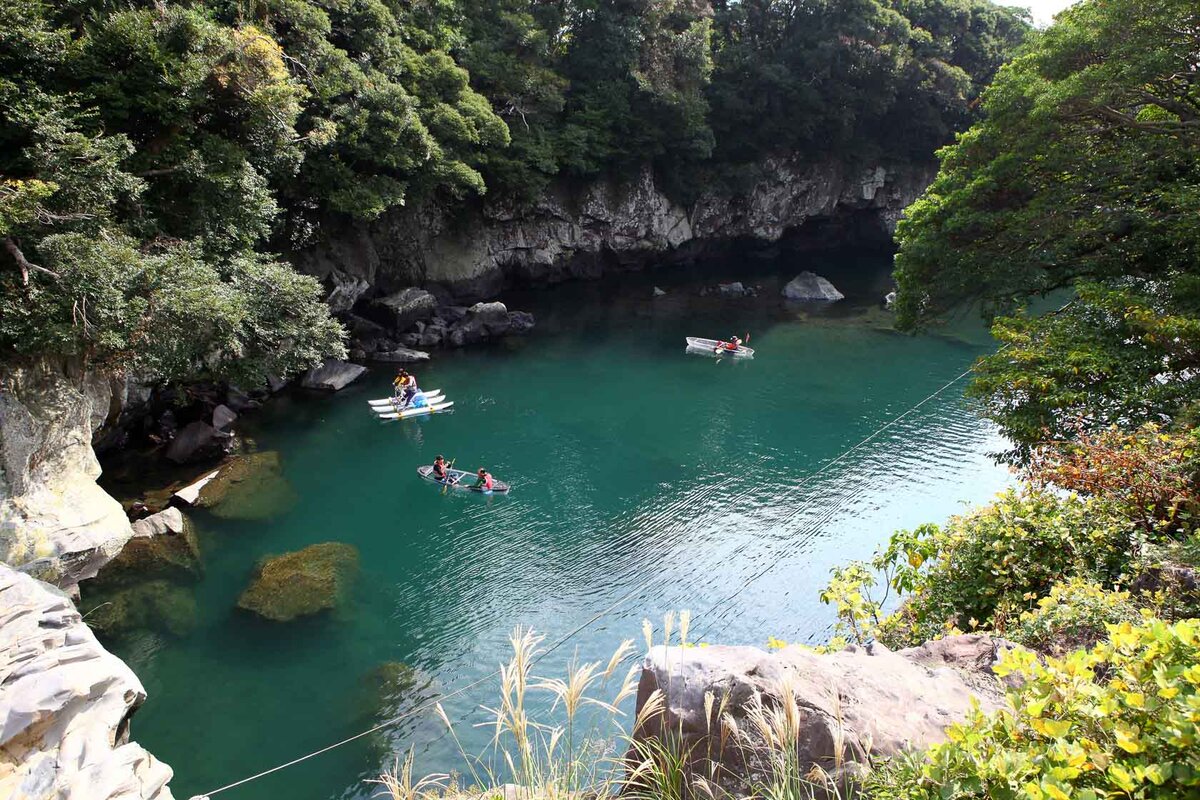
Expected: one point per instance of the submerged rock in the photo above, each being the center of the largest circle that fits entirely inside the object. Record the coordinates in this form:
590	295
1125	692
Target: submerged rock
854	706
158	605
298	584
808	286
163	545
332	375
65	705
248	487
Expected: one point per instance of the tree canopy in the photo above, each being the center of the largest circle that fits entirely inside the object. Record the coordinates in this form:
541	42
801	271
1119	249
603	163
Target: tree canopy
1085	175
152	153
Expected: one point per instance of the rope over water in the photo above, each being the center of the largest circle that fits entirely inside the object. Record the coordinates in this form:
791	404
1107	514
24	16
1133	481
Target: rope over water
593	619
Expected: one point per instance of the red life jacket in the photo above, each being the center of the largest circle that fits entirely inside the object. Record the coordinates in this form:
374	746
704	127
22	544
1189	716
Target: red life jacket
487	480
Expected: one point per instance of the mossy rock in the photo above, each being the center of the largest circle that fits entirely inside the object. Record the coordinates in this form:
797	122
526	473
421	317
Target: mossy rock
298	584
391	690
249	487
158	605
173	556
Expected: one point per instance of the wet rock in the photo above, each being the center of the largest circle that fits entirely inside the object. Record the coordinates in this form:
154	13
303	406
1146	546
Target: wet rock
223	416
161	606
65	705
405	308
868	703
163	545
402	355
199	441
302	583
808	286
333	375
520	321
248	487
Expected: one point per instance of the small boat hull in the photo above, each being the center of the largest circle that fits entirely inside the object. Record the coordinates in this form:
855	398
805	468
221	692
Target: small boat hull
697	345
416	412
462	481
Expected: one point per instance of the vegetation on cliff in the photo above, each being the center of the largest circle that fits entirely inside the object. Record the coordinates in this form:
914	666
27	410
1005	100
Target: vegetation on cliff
152	155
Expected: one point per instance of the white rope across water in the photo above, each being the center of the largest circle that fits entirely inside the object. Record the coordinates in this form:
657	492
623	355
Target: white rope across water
592	620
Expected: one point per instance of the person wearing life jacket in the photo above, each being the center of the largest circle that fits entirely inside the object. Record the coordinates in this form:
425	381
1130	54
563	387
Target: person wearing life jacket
439	468
728	347
484	480
405	387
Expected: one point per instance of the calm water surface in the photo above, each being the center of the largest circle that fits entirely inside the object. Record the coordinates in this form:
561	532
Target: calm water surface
683	481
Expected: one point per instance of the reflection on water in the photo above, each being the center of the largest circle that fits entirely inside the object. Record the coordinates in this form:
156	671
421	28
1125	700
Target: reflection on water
637	471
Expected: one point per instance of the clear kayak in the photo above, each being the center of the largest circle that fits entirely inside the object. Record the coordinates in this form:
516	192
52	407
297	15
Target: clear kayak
461	479
391	401
716	348
414	412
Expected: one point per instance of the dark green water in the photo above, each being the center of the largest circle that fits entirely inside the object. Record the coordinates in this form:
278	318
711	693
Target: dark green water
636	469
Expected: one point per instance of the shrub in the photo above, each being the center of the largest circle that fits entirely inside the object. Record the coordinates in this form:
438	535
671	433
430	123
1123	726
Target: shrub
1075	615
981	567
1120	720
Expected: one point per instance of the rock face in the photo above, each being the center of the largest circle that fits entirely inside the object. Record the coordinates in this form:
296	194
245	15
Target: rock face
851	705
583	231
298	584
55	522
65	705
810	287
332	375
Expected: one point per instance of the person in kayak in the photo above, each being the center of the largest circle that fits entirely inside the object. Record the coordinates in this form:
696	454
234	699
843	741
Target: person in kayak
484	481
729	347
439	469
405	387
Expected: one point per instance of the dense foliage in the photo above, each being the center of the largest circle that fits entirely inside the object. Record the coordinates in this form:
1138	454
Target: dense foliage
1084	174
1117	721
151	151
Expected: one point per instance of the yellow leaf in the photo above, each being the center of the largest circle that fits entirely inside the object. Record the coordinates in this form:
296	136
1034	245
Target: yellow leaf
1135	699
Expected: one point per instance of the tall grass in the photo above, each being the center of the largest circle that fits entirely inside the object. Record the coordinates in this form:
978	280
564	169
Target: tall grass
584	749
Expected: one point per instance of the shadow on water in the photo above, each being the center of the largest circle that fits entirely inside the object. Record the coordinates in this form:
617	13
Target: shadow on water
682	482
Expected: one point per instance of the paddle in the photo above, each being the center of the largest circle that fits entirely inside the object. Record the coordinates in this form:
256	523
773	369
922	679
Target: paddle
450	481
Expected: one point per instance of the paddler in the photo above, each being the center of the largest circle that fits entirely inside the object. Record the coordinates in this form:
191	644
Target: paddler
484	480
439	468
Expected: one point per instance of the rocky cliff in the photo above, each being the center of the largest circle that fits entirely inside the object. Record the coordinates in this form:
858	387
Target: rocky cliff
55	522
583	231
65	705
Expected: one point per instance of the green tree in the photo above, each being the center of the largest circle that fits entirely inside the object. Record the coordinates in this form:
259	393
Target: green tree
1084	174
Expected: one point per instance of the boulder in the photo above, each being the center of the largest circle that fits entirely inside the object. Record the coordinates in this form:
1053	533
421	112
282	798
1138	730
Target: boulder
158	606
889	300
65	705
199	441
735	289
302	583
809	286
483	321
248	487
56	523
520	321
402	355
852	706
333	375
405	308
163	545
276	384
223	416
658	292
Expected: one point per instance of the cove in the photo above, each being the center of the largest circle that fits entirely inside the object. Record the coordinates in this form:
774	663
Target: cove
681	481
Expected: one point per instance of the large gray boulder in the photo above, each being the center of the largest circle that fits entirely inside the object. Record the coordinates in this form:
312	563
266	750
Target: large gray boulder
853	706
199	441
65	705
401	355
809	286
333	375
406	307
55	522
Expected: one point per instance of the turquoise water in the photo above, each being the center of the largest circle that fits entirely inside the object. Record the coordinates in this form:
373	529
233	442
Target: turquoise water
678	481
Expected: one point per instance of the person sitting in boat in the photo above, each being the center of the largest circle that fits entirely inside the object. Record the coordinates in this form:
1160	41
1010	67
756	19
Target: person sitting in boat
484	480
729	347
439	468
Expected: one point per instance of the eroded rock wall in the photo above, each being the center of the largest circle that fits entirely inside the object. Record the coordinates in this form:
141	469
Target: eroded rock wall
65	705
583	231
55	522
